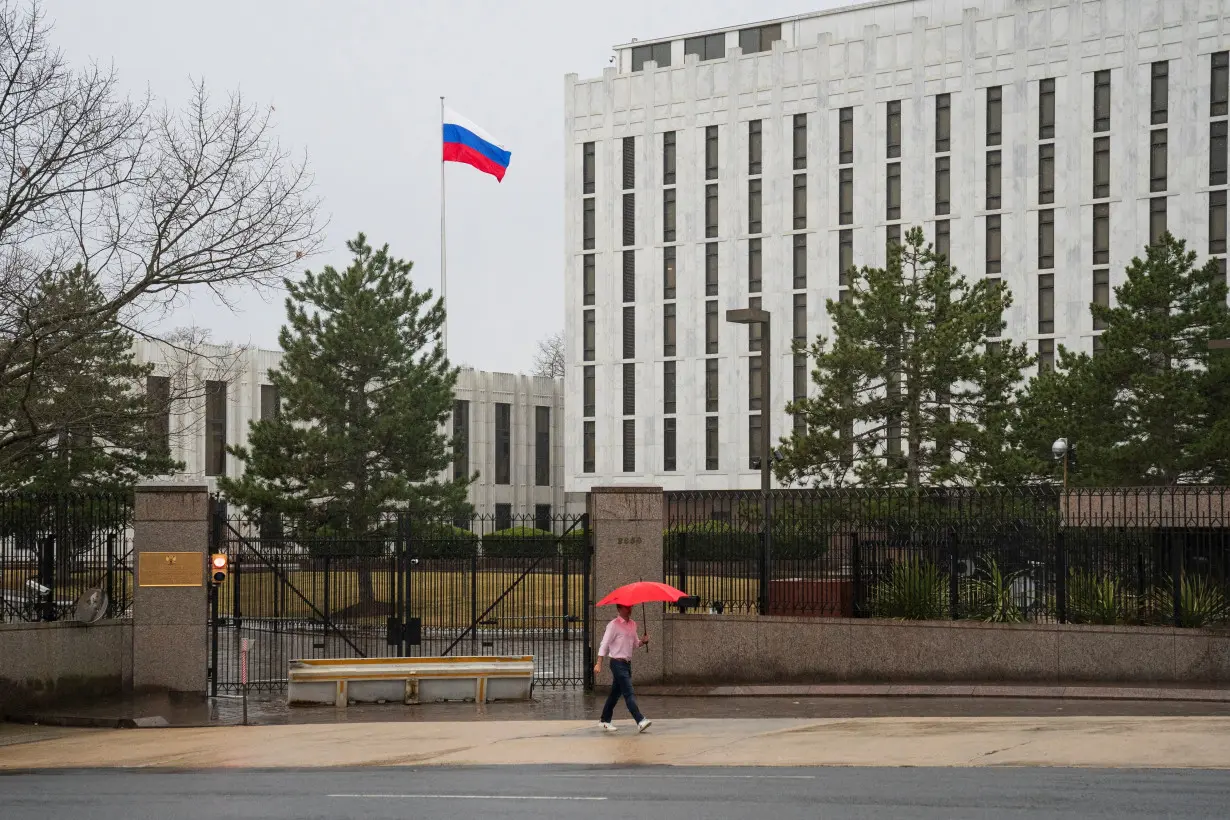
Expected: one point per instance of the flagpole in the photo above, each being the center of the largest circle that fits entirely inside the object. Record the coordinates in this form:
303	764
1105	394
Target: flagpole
443	241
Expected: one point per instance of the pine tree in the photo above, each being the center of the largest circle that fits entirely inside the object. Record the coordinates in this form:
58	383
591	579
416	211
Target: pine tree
1150	407
908	392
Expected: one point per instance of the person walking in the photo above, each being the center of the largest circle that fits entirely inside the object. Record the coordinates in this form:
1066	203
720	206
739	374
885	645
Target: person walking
618	643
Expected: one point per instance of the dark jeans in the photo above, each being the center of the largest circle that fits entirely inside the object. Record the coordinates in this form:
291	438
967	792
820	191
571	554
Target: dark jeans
621	684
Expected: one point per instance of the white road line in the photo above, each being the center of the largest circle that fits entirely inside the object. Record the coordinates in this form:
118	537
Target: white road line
463	797
695	776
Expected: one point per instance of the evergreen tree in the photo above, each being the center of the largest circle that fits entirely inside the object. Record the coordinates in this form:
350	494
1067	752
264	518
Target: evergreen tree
908	392
1150	407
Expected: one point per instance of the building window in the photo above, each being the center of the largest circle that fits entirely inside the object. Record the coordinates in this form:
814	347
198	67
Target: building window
754	366
668	273
1160	92
1046	355
1046	109
587	336
800	261
668	387
710	47
711	152
995	181
158	405
760	38
846	198
542	447
1101	234
1101	101
215	428
711	385
845	257
659	53
668	329
754	330
893	191
629	333
754	210
711	211
588	168
503	443
668	158
993	244
629	377
588	279
800	391
800	141
711	269
629	151
995	282
755	430
943	185
800	317
1221	271
461	439
1046	239
1157	160
1217	152
943	238
943	123
588	224
1219	85
668	446
1101	294
668	215
754	266
543	519
711	326
1046	303
589	398
1101	168
503	517
588	446
1157	219
893	140
892	238
800	201
1217	221
1046	173
755	130
846	137
711	443
629	219
995	115
629	261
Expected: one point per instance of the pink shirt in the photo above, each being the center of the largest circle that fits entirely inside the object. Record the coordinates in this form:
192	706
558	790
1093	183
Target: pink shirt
619	640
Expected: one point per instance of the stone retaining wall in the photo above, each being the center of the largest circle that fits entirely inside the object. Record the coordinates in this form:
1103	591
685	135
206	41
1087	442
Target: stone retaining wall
45	663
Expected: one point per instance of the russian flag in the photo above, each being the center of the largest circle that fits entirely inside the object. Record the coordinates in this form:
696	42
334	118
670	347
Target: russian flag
466	142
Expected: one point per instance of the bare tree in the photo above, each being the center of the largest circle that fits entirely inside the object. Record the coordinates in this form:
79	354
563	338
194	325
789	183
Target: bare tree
549	358
153	202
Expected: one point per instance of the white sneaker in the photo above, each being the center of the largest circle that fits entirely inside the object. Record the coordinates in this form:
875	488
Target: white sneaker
643	725
608	727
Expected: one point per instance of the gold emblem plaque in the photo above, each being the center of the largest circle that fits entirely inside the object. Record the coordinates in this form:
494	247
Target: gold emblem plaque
171	569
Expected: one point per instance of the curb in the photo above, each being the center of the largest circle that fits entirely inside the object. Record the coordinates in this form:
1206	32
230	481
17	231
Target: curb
946	691
78	722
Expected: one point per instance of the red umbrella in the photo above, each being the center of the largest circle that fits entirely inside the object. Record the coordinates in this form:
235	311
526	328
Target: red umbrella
641	592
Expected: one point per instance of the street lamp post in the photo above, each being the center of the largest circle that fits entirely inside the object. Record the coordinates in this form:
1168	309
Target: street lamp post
758	316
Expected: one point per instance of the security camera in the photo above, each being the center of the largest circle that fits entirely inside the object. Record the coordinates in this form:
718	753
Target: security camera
1060	448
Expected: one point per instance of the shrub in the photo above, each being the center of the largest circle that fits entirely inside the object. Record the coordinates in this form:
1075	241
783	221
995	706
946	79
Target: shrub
1097	599
520	542
989	595
710	541
915	590
1202	602
438	540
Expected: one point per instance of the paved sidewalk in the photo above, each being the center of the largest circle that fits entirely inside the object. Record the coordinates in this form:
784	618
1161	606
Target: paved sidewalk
1101	742
896	690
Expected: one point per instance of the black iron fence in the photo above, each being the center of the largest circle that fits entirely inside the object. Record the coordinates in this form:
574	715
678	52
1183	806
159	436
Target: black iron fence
54	548
1147	556
400	588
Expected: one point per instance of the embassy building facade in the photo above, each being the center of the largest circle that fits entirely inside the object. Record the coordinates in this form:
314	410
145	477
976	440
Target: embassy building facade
1042	143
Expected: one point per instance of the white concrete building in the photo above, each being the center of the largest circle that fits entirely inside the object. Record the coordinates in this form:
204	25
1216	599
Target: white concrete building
514	423
750	166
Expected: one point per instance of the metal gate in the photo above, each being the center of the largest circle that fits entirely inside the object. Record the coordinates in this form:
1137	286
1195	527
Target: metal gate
409	590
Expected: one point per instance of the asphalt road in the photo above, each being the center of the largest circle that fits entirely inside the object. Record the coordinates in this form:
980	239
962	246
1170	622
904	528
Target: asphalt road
666	793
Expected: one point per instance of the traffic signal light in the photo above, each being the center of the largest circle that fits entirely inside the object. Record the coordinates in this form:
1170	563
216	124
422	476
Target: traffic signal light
219	565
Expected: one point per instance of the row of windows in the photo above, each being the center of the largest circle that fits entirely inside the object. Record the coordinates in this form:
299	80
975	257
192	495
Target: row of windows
158	393
628	441
503	442
708	47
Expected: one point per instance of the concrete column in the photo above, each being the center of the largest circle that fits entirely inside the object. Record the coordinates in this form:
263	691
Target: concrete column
170	601
627	532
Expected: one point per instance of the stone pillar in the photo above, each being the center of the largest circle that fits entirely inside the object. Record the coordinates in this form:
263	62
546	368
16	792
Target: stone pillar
627	534
170	606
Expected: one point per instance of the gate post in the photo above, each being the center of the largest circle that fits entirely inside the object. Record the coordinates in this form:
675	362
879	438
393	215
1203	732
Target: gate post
170	604
626	526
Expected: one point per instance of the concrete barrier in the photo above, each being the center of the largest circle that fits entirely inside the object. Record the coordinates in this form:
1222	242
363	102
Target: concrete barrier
340	682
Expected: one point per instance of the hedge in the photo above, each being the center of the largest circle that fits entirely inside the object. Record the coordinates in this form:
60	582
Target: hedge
528	542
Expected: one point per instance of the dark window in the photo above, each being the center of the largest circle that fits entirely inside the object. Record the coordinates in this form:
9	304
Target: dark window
846	137
995	181
158	405
711	442
846	197
1046	355
711	152
800	261
800	141
892	238
943	238
668	273
893	137
1217	222
1046	239
588	224
503	443
800	201
893	192
845	257
1217	152
1221	271
1219	82
588	168
1101	234
1046	109
993	244
668	446
271	402
1046	173
710	47
755	134
589	284
1101	101
943	185
754	266
711	269
800	317
711	385
629	333
800	377
668	387
461	439
629	219
1157	160
629	378
587	336
711	211
1046	303
754	333
754	210
542	518
659	53
668	215
753	383
995	115
588	446
503	517
1160	92
754	431
1101	168
542	447
629	146
711	326
215	428
943	123
668	158
629	260
1101	294
589	398
668	329
996	282
1157	219
761	38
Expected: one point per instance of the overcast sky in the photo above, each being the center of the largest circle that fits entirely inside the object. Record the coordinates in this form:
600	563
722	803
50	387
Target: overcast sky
357	85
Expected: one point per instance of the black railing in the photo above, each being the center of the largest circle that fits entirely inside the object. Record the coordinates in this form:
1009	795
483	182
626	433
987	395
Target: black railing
54	548
1146	556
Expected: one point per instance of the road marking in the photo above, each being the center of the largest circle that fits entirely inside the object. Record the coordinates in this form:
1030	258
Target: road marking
696	776
465	796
